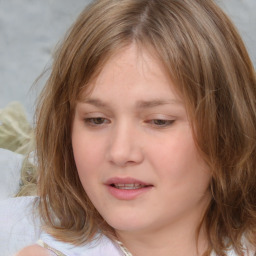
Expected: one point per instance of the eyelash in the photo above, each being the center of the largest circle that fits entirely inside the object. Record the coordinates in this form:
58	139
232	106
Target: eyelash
99	121
93	121
160	123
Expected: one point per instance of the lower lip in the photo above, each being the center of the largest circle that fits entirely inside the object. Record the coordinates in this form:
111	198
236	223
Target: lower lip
128	194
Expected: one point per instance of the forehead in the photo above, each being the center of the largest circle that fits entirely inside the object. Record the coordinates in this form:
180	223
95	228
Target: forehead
129	67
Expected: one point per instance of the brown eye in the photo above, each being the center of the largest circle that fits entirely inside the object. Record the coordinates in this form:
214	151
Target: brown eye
96	121
161	122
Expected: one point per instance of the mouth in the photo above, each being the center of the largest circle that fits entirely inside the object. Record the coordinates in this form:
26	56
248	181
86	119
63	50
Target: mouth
127	183
129	186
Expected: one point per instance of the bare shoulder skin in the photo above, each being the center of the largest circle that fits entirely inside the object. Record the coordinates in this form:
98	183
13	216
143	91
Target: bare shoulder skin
33	250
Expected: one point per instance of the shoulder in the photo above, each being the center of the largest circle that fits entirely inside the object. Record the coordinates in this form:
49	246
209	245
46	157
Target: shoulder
100	245
33	250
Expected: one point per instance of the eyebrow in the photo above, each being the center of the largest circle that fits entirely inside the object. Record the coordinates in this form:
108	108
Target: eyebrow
156	103
142	104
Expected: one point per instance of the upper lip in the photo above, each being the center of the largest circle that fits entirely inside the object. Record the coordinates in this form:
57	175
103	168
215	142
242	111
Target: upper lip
127	180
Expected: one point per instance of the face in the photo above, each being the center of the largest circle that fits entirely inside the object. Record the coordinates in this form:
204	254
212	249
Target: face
134	148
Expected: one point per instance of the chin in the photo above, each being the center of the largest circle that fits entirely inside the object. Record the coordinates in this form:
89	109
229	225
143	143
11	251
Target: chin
127	224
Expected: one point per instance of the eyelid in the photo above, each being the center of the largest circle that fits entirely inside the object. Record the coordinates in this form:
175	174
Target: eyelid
160	120
96	121
160	117
160	123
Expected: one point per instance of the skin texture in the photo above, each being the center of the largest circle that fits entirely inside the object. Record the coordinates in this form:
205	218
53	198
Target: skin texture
133	125
33	250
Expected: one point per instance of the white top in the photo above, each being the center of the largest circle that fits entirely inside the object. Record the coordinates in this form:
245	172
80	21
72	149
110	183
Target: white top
103	246
100	246
20	227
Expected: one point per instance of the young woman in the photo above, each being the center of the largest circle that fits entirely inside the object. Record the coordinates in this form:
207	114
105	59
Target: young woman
146	134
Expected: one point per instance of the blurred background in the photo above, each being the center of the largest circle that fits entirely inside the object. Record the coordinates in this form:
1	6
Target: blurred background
30	30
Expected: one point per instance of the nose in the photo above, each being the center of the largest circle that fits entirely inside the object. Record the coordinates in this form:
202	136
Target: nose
125	146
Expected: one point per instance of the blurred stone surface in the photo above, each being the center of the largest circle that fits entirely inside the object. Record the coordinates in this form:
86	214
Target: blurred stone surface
30	29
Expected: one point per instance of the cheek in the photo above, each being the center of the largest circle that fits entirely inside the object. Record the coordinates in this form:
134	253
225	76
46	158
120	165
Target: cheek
85	149
178	160
86	163
174	152
86	155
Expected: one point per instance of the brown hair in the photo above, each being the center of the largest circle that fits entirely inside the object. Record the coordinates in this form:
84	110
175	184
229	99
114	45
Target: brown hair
207	59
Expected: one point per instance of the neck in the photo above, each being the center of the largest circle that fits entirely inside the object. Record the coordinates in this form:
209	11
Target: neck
158	243
180	238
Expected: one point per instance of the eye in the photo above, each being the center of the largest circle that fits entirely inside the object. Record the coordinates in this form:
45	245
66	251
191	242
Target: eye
160	122
96	121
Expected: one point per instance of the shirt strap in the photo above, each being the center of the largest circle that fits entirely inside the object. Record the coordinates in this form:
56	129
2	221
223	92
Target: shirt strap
53	251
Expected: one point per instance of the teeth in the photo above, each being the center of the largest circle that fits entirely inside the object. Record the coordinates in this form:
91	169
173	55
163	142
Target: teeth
128	186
